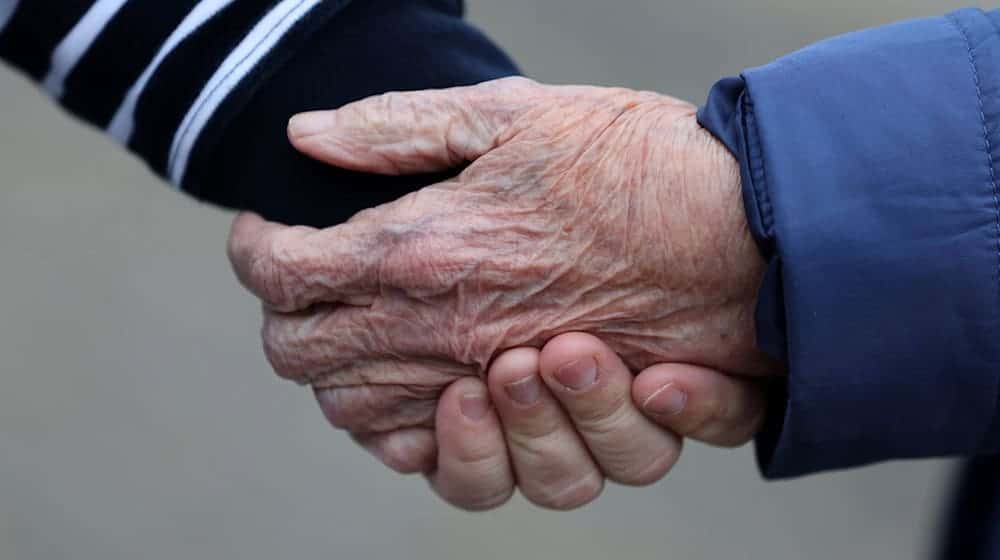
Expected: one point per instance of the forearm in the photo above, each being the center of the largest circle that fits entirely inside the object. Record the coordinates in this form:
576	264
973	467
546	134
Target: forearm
202	90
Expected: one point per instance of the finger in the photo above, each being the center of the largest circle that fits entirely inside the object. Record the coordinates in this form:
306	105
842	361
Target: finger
250	240
553	467
406	451
701	403
378	408
594	386
473	470
396	246
399	133
331	346
292	268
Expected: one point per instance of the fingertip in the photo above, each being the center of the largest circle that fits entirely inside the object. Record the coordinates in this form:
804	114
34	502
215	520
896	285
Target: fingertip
247	217
304	125
664	390
701	403
513	377
562	353
468	429
588	378
244	224
466	400
568	348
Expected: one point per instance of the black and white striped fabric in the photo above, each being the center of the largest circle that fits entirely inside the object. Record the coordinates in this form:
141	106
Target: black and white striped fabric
202	89
160	76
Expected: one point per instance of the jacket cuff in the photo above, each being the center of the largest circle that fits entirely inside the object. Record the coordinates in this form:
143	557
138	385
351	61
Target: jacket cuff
869	177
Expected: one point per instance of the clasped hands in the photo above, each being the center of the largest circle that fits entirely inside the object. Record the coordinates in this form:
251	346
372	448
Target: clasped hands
485	330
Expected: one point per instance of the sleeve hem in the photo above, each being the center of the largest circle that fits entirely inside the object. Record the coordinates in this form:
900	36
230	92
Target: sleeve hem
884	224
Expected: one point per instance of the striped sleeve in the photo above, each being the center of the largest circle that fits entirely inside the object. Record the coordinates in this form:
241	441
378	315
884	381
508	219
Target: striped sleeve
161	77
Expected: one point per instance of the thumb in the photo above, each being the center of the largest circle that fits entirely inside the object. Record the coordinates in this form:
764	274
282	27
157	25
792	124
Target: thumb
701	403
414	132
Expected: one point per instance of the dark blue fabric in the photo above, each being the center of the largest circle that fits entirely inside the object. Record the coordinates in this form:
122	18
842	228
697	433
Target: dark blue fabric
869	167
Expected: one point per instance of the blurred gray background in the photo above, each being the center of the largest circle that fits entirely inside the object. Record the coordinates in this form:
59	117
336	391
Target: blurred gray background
138	418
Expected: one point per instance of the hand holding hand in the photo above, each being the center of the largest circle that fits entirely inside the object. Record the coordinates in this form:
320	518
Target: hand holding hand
583	209
605	211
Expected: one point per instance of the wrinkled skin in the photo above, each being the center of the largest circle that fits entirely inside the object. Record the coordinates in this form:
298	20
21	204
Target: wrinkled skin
605	211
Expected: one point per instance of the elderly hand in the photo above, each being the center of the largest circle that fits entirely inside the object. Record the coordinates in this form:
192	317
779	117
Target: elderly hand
581	209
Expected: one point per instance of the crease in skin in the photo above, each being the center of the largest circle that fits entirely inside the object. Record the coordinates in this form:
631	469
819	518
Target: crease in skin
387	372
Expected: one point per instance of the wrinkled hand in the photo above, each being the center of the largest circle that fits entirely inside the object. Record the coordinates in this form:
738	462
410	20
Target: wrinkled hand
582	209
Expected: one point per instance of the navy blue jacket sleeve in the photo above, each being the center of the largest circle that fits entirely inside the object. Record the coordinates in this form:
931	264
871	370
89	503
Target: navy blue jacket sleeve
870	180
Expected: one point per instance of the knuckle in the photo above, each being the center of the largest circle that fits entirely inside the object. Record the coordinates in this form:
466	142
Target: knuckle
281	269
696	420
733	439
266	274
330	404
724	422
602	414
349	408
571	494
480	501
275	347
234	247
478	454
309	348
533	428
376	409
516	82
403	459
643	473
291	353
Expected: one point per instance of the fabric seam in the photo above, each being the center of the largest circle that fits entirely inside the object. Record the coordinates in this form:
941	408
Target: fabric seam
758	172
989	162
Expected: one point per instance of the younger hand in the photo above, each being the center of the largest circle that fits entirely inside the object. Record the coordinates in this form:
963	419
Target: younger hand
556	423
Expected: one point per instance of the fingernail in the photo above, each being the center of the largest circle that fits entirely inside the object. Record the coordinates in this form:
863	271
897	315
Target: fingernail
578	375
666	401
524	392
474	407
304	124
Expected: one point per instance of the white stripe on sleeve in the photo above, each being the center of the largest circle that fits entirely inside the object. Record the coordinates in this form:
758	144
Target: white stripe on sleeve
240	62
123	123
75	45
7	9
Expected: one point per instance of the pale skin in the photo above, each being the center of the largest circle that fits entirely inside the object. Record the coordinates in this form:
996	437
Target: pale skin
604	211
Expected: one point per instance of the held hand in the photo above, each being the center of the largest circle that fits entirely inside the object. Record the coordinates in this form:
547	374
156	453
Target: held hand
562	422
